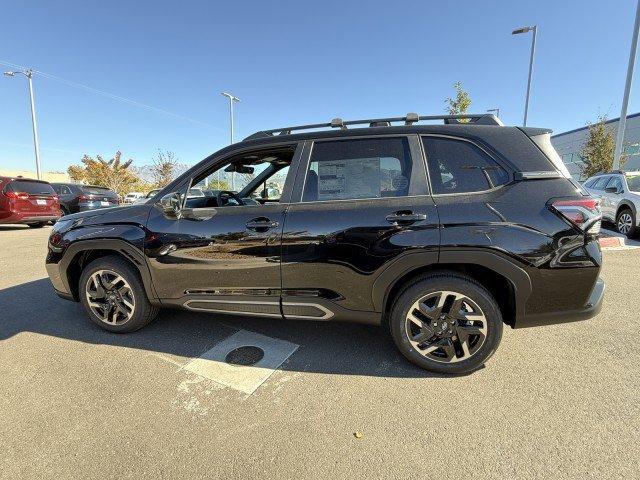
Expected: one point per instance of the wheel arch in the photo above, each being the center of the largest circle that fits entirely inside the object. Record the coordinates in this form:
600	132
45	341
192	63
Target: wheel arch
625	204
82	253
507	282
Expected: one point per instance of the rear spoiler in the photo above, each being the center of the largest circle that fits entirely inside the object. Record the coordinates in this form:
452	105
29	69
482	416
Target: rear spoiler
533	131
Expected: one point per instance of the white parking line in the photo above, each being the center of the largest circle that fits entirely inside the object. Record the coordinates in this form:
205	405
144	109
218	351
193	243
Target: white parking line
212	364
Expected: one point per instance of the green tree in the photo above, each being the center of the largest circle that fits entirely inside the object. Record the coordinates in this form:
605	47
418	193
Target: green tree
599	148
164	164
216	184
461	103
113	173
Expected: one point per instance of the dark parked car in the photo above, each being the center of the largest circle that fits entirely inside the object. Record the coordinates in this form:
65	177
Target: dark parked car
78	198
440	233
24	200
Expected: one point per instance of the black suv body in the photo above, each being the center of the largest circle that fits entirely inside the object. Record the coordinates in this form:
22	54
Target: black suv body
441	232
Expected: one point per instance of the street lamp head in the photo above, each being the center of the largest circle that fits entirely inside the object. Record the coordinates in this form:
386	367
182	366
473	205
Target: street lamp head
518	31
231	97
9	74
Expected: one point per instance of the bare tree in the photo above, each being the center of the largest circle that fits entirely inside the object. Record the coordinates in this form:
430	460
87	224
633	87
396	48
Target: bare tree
164	164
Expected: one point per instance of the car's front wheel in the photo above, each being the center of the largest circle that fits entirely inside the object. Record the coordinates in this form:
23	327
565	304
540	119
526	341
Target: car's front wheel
113	295
446	323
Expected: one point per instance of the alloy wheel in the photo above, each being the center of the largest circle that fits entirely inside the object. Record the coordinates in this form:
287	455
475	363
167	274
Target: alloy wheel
446	326
110	297
625	222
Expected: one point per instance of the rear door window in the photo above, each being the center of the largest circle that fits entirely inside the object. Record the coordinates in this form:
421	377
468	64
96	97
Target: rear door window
600	182
616	182
361	168
32	188
458	166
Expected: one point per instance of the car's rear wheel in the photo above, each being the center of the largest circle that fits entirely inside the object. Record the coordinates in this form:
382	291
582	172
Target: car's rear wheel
446	323
113	295
626	222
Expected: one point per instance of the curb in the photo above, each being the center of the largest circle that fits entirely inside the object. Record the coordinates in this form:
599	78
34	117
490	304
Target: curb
611	242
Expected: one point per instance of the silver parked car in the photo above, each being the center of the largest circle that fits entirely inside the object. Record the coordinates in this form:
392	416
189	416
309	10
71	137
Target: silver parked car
620	194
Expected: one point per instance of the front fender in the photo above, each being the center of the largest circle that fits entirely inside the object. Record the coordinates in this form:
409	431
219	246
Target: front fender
124	240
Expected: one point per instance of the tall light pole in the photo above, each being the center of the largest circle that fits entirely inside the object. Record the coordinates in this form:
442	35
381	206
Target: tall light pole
232	99
518	31
622	123
29	75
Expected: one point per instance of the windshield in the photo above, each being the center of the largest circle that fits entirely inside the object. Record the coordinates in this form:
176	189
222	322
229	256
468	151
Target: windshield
633	181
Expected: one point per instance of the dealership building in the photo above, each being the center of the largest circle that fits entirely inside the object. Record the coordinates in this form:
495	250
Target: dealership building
569	144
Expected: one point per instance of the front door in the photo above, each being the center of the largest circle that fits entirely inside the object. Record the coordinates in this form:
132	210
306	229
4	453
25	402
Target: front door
223	252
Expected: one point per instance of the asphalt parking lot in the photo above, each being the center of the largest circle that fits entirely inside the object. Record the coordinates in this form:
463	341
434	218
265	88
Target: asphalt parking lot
554	402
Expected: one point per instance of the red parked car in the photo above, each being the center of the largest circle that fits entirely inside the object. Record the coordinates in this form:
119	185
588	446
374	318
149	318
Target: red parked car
24	200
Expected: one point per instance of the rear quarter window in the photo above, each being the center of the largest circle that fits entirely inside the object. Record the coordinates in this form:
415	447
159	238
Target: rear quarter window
459	166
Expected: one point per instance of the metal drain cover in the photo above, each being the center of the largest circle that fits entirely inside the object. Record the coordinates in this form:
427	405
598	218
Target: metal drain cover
245	356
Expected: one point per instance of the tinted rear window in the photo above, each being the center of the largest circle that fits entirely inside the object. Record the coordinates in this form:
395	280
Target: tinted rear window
458	166
32	188
97	191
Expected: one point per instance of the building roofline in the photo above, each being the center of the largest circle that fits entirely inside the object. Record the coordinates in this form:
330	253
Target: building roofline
613	120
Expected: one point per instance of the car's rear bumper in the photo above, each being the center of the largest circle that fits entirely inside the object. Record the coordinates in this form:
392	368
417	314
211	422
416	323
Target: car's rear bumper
30	217
590	309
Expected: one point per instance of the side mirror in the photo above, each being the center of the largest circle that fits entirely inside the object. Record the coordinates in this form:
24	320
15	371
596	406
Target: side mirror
611	190
171	204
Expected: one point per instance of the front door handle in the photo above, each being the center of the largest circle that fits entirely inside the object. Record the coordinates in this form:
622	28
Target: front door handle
405	217
261	224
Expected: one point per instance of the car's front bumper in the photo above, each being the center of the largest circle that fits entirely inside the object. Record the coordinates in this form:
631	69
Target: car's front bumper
590	309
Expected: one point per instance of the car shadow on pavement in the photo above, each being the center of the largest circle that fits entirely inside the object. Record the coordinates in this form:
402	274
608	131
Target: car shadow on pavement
330	348
14	227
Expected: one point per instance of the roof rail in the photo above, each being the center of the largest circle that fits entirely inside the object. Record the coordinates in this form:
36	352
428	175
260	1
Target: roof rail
409	119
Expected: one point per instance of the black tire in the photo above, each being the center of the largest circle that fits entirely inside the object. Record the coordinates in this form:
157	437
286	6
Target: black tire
450	282
143	312
36	225
624	214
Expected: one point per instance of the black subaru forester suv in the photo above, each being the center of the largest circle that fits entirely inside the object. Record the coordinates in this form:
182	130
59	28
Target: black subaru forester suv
441	233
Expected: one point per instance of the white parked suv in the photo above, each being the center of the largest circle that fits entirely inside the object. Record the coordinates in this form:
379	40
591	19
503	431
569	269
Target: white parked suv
620	193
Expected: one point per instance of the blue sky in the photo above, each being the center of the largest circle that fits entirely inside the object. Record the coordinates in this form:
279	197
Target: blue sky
291	63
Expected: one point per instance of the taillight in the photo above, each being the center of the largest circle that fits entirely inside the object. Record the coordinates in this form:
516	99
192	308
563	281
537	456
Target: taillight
83	198
17	195
584	213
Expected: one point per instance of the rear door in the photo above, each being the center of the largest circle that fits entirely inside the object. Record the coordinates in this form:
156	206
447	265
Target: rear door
359	205
66	196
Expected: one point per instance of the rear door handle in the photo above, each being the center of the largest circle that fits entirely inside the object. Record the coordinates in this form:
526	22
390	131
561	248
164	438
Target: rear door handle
261	224
405	217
